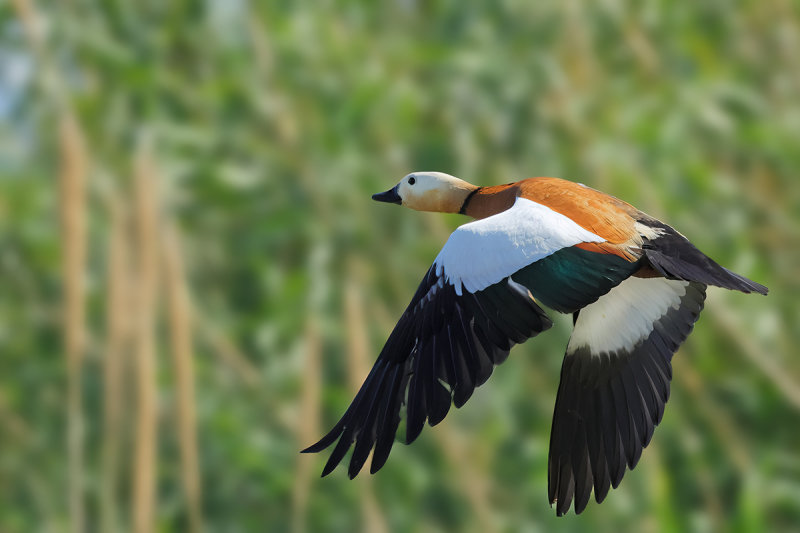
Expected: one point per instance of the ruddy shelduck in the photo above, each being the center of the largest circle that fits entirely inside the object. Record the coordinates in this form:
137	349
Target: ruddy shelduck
634	286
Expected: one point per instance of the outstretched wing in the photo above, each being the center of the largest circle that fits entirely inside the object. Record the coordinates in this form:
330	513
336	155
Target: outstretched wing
443	347
614	383
473	305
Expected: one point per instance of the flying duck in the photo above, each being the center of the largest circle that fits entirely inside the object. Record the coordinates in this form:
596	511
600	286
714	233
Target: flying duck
634	286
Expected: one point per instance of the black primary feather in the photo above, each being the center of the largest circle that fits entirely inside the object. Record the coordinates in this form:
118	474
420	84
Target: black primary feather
608	405
443	346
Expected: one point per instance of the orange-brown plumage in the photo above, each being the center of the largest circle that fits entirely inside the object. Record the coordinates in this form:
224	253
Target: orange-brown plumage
600	213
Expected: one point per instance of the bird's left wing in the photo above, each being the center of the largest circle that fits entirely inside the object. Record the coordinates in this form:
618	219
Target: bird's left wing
614	383
464	318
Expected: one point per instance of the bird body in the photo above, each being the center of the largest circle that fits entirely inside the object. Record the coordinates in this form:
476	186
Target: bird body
634	285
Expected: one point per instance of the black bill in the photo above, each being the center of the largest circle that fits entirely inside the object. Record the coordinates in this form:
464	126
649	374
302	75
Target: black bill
389	196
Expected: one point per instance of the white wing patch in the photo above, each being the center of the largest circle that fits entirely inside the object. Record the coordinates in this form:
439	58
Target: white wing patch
647	232
626	315
481	253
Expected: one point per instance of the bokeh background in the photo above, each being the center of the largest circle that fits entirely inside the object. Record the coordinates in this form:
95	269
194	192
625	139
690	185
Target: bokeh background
195	280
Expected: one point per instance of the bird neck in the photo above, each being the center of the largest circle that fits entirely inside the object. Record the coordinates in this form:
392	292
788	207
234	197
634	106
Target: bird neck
444	198
484	202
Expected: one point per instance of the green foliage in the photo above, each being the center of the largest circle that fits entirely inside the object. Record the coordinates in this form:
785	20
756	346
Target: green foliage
274	123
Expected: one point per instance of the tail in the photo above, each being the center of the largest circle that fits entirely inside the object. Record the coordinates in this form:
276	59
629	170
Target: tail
674	257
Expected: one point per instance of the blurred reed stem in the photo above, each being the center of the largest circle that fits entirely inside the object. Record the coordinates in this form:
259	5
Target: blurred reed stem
359	364
118	336
473	481
144	474
308	425
180	329
73	163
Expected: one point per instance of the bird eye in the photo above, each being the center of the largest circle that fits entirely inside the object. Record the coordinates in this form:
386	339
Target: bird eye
412	180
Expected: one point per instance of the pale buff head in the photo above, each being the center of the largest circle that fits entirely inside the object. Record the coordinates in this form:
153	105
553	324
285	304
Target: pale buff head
428	191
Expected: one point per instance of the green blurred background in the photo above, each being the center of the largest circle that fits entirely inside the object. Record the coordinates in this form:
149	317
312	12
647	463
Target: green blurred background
195	280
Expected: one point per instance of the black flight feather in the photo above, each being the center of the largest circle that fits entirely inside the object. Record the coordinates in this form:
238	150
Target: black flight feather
443	346
607	427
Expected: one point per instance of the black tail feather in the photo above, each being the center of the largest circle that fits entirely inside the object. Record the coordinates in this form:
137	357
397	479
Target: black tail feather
673	256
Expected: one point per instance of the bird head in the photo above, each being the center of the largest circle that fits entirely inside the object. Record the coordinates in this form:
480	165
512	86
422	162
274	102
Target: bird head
428	191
